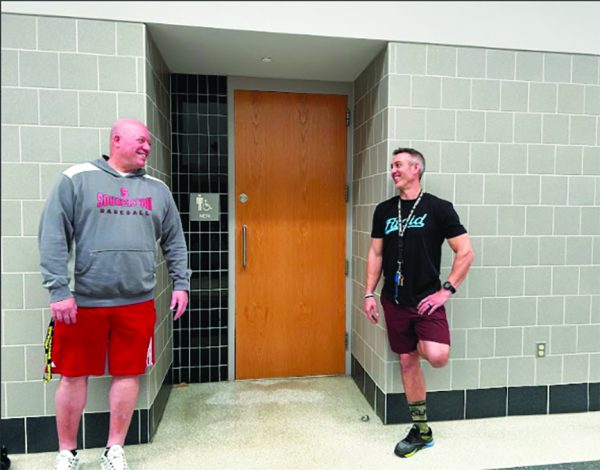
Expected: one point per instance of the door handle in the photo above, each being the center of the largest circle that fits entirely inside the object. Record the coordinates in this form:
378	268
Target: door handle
244	246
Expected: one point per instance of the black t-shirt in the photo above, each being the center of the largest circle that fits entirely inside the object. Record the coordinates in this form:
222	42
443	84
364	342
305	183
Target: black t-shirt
433	221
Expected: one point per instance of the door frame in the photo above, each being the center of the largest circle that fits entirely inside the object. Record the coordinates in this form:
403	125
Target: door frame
292	86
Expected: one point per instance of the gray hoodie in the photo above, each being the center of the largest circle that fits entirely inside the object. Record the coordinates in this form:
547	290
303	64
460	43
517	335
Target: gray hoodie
116	223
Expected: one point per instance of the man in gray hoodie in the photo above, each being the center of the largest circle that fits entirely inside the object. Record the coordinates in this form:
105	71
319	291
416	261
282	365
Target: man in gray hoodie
112	216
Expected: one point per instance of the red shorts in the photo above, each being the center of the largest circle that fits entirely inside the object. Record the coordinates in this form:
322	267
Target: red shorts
126	332
405	327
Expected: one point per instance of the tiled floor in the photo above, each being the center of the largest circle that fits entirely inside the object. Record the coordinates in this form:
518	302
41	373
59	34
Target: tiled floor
316	424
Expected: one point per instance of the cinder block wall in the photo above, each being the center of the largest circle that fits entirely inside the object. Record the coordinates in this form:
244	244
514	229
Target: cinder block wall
512	139
64	82
158	112
369	344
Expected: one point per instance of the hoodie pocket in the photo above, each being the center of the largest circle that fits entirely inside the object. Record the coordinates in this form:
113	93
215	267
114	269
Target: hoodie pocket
117	273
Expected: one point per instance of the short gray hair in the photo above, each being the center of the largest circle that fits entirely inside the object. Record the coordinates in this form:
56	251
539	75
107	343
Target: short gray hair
415	154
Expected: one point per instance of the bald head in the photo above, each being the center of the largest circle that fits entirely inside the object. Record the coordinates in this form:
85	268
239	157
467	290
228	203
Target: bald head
130	145
125	125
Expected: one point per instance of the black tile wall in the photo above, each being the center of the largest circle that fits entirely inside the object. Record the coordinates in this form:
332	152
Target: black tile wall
151	427
594	397
485	403
358	374
392	408
199	165
133	433
42	435
380	403
160	402
12	432
441	406
96	429
527	400
444	406
144	434
370	390
569	398
397	409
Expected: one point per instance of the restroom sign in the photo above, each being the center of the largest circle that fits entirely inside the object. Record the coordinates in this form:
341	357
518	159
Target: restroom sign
204	206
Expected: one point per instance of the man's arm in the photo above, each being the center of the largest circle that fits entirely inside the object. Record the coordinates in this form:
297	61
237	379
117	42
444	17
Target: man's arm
174	249
55	237
175	253
374	267
463	257
179	301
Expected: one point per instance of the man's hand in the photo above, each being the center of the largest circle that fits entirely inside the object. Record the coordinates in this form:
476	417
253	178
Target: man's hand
64	310
434	301
179	299
371	310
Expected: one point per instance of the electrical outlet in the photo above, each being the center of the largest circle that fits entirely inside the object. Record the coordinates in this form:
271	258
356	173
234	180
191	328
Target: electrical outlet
540	350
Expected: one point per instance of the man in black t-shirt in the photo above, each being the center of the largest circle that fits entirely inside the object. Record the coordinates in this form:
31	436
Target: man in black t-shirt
406	242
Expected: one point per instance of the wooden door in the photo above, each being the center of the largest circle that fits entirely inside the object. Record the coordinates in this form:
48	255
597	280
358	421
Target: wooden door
290	162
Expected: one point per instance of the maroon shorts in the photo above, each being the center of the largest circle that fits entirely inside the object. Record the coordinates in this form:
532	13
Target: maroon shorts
406	327
126	332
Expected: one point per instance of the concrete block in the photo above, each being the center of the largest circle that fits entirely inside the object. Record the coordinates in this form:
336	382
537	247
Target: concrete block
117	73
470	126
585	69
58	108
542	97
10	69
471	62
56	34
426	92
97	37
441	60
499	127
501	64
130	39
485	95
570	98
514	96
19	106
79	71
40	144
557	67
541	159
18	32
441	125
530	66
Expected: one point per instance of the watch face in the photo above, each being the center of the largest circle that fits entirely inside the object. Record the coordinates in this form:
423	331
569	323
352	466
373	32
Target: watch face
446	285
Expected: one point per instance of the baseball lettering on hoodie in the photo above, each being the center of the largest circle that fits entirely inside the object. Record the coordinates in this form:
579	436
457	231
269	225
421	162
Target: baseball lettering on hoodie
110	204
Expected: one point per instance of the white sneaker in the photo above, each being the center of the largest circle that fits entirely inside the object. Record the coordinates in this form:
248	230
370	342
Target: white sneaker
114	459
65	460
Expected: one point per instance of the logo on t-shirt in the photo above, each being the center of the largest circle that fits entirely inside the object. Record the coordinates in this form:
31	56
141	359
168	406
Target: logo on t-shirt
391	225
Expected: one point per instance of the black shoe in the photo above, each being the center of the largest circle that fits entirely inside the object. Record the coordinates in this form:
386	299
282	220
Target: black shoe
4	460
413	442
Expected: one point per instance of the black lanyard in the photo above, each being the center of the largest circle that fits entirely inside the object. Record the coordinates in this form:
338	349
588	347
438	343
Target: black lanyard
399	278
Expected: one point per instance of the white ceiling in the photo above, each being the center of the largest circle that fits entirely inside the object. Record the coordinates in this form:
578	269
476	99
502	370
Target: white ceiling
563	26
198	50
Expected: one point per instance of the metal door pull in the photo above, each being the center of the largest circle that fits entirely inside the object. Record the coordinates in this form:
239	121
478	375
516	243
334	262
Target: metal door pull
244	246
